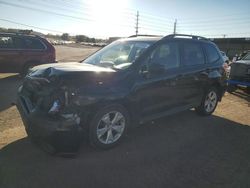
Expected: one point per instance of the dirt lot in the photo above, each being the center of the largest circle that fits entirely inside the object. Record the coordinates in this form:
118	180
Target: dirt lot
183	150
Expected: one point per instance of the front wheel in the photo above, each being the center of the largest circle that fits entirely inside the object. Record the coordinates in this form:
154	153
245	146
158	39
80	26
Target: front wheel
208	103
108	127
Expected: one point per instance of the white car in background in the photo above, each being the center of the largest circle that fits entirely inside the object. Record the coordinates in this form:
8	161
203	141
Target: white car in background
226	59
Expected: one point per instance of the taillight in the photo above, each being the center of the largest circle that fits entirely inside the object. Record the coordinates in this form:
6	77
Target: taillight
226	68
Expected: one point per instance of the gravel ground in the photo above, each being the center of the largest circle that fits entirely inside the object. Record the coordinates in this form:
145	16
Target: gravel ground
183	150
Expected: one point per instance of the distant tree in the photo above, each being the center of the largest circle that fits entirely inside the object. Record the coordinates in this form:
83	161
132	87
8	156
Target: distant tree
81	38
65	36
92	40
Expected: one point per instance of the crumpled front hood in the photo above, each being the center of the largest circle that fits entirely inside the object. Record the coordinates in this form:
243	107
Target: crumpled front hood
57	69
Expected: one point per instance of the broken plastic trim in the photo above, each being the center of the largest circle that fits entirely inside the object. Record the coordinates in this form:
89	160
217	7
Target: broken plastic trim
55	107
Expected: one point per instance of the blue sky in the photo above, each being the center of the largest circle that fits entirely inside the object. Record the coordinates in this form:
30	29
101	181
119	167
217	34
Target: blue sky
105	18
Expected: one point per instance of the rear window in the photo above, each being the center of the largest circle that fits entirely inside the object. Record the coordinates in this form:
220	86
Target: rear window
212	53
192	54
35	44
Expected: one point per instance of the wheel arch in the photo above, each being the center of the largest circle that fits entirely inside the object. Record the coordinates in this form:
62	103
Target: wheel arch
126	104
27	64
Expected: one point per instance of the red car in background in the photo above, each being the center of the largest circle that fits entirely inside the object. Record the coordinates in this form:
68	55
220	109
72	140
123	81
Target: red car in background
19	52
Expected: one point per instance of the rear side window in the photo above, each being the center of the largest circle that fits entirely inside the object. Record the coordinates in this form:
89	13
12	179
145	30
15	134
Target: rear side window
192	54
166	54
6	42
18	42
34	44
212	53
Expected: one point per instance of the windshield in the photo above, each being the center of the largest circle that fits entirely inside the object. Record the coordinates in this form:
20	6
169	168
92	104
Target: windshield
119	54
246	57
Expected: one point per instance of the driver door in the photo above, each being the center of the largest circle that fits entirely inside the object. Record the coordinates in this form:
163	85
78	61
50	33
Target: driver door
157	88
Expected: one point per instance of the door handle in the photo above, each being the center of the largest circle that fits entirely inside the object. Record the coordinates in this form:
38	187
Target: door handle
179	76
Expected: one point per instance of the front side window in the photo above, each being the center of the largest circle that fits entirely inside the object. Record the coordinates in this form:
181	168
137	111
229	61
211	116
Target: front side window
192	54
166	54
212	53
119	54
6	42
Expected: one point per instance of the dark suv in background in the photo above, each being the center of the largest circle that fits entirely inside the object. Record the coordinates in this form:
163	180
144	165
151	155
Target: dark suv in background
130	81
19	52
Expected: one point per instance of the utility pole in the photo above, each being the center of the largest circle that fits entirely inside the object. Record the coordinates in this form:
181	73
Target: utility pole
137	23
175	23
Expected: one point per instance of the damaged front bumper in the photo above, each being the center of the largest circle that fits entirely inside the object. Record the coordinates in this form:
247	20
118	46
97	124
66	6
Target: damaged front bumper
55	133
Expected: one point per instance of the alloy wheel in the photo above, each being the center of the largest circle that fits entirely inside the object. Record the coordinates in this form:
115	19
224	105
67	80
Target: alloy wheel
210	101
110	127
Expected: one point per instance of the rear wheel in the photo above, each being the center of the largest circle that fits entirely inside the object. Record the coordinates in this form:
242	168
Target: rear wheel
108	127
209	102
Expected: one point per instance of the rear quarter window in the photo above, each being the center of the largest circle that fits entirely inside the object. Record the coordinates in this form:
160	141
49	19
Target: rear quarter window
212	53
34	44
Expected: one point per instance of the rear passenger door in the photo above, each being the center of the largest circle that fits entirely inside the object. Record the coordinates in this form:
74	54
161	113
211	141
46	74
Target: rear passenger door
191	79
34	50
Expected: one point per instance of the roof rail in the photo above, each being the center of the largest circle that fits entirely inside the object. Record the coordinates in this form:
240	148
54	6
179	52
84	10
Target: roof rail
141	35
19	32
195	37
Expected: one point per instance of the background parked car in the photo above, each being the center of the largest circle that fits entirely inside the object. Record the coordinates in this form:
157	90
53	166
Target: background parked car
240	74
243	54
19	52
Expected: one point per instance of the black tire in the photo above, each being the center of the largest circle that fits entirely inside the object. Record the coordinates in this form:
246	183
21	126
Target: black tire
206	108
97	123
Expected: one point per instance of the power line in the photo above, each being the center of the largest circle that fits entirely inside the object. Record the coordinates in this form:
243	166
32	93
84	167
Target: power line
30	26
212	27
215	18
218	22
58	14
41	10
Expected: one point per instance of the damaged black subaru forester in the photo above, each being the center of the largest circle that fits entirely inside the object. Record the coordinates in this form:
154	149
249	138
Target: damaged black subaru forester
128	82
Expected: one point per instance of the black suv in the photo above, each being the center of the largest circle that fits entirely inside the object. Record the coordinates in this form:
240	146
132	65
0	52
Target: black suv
131	80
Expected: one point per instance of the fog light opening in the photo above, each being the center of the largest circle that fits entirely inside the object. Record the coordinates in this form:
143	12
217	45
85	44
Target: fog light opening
55	107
